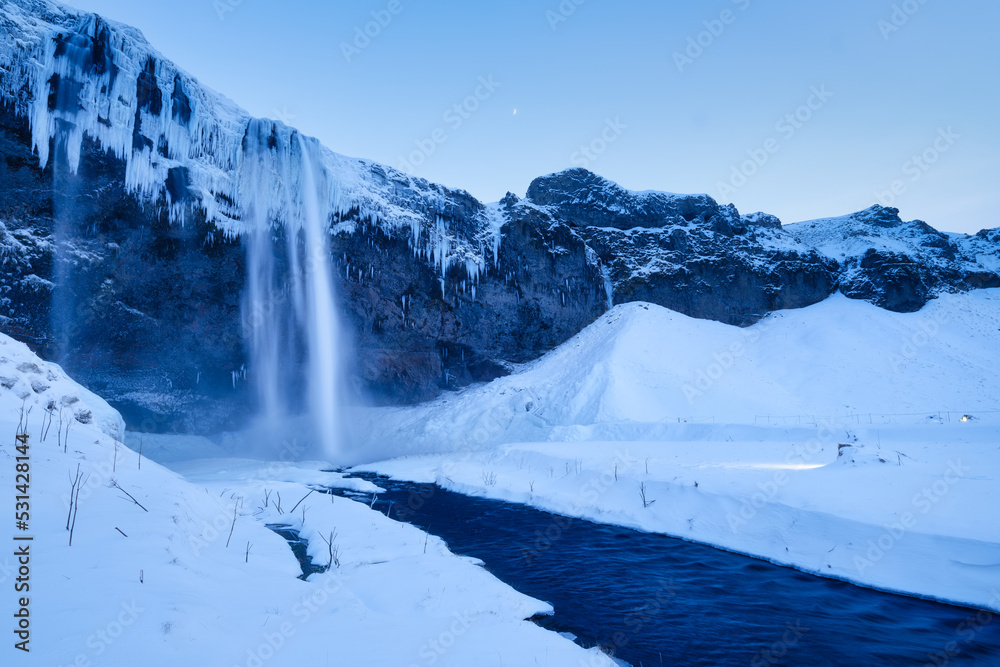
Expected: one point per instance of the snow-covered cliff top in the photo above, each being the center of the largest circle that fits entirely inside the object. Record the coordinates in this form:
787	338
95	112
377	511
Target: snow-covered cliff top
77	78
881	229
75	75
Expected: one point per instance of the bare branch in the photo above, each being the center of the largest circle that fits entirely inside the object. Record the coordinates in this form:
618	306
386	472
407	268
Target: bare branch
119	487
232	527
300	502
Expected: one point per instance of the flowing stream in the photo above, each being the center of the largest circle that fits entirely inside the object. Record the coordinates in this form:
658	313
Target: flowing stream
654	600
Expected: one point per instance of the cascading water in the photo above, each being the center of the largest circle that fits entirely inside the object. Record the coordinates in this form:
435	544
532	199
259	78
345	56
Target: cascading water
319	316
76	61
291	323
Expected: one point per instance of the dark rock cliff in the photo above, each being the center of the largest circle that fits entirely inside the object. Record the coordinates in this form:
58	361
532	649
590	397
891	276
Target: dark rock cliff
900	265
127	194
686	252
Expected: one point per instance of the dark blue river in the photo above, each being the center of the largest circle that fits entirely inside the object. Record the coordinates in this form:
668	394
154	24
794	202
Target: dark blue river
653	600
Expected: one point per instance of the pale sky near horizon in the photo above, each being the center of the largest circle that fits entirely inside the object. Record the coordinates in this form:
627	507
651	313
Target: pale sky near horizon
803	110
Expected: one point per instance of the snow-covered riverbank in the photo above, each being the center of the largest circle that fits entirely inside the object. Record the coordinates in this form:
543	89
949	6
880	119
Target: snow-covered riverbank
840	439
159	574
906	509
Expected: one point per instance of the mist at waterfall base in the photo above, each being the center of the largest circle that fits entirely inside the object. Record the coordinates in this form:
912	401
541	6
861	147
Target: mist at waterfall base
296	346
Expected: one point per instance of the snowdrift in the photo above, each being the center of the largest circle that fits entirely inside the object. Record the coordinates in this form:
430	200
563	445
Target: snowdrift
841	439
644	372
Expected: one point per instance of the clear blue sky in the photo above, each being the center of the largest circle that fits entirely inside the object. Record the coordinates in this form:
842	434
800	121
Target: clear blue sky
610	69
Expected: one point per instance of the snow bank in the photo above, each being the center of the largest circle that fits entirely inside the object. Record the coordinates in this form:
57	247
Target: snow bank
165	572
642	371
49	394
902	509
840	439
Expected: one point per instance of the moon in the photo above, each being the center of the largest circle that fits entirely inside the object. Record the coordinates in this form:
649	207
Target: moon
515	112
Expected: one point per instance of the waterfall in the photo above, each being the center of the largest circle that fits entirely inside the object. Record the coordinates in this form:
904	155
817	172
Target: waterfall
319	316
66	134
290	312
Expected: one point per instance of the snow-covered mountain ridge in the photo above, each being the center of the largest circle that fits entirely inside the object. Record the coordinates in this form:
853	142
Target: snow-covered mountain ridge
128	189
77	76
900	265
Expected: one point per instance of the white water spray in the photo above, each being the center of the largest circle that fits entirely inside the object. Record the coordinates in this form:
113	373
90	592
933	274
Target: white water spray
320	314
290	312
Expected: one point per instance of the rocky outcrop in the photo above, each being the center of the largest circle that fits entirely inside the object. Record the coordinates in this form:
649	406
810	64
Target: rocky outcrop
587	200
900	265
688	253
129	195
418	332
146	312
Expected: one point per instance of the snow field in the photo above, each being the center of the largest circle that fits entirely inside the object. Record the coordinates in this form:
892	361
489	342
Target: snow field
641	370
830	438
169	578
905	509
